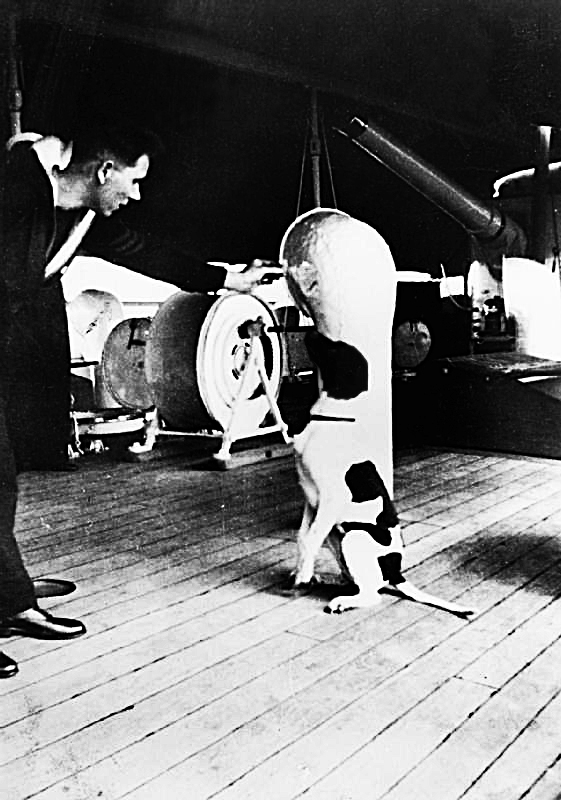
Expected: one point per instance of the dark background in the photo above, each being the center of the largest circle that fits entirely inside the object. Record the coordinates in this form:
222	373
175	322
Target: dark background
227	86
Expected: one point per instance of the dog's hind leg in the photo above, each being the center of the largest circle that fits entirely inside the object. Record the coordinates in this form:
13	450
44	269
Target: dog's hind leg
334	542
360	553
397	584
412	592
310	540
307	519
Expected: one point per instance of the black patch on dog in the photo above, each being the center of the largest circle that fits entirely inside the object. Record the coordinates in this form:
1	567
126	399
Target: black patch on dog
381	535
343	368
365	484
390	564
364	481
391	568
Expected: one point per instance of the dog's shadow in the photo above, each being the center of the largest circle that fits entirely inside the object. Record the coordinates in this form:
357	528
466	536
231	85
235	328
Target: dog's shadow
324	590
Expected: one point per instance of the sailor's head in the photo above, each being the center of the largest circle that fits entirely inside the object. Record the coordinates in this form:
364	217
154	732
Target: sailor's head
107	165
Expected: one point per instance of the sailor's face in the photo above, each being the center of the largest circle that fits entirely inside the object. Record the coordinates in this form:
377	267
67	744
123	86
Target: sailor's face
118	184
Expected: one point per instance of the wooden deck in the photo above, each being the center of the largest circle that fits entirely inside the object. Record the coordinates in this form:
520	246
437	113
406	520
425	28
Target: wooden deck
200	678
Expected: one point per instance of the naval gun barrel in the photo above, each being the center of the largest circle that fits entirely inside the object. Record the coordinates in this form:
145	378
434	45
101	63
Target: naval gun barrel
487	223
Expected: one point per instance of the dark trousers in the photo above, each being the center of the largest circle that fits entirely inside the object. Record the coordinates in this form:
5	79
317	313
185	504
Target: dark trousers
34	426
16	587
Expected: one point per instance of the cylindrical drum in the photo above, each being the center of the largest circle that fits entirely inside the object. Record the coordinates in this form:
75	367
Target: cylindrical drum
196	353
123	374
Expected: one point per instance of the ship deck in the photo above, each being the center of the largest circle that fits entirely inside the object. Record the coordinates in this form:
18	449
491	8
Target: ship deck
200	677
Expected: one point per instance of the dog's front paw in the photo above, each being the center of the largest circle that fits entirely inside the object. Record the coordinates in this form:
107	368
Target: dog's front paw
295	587
305	587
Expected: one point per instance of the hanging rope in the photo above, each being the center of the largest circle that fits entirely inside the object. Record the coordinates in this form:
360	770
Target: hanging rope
302	168
329	168
315	146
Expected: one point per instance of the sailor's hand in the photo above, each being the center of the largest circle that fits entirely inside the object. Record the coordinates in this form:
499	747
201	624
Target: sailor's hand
257	273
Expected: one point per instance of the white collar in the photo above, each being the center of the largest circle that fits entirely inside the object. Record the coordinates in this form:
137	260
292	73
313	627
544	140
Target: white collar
52	152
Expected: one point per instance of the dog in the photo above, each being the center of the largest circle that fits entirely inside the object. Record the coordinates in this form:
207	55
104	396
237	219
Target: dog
347	504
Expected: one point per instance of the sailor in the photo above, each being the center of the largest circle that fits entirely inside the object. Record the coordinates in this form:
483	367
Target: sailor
57	197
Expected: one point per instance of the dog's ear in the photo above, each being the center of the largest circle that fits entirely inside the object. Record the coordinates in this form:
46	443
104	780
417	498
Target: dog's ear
343	368
365	483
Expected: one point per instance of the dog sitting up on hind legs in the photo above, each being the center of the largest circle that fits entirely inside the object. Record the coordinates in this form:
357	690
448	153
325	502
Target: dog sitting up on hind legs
346	502
341	274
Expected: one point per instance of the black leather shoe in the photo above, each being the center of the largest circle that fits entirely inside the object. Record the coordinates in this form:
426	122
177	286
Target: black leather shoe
42	626
8	667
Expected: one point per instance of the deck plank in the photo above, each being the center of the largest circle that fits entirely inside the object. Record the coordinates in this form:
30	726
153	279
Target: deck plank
403	666
546	787
487	735
201	677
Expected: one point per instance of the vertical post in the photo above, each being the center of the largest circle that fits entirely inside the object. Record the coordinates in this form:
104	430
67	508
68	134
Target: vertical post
15	95
4	109
315	149
540	192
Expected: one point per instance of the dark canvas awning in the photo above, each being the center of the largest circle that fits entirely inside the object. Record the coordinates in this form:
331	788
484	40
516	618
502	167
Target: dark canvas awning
227	83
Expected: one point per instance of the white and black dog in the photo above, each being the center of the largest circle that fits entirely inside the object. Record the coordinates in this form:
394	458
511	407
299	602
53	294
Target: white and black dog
346	501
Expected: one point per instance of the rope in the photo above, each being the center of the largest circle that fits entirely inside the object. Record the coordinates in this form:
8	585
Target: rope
328	159
305	152
302	166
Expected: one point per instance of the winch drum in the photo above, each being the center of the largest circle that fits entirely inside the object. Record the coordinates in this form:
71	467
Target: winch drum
196	352
123	374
